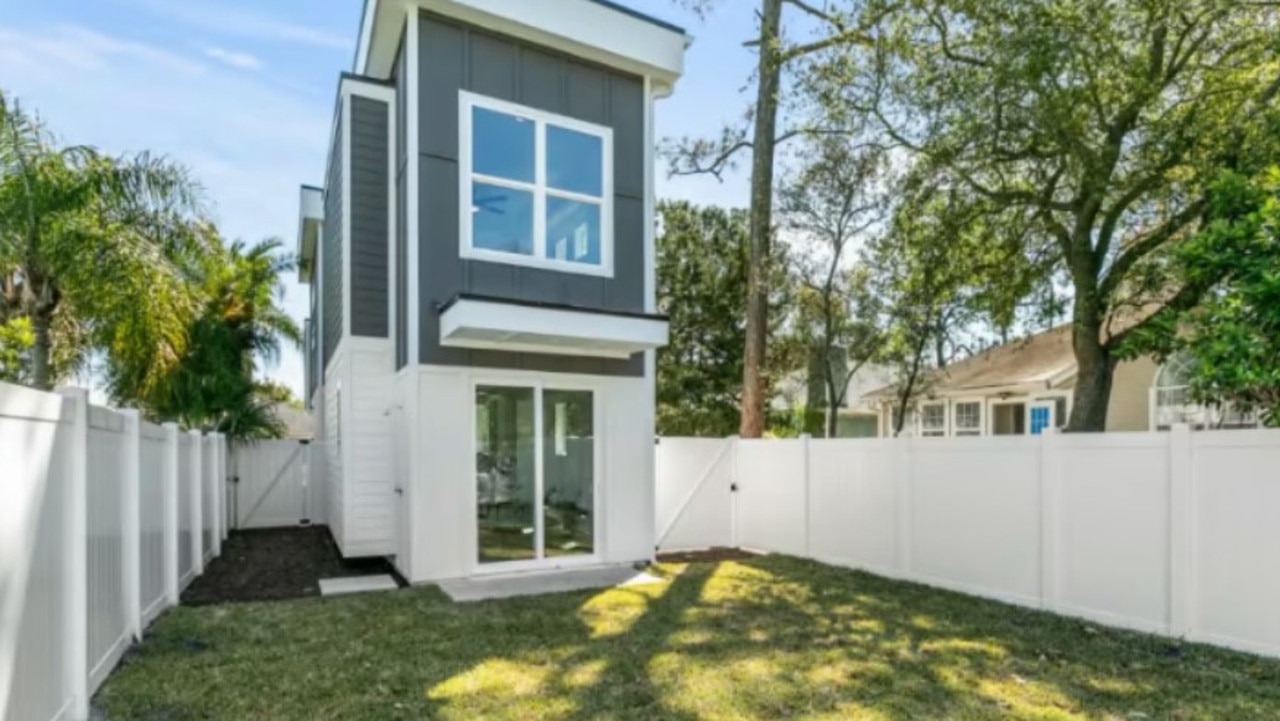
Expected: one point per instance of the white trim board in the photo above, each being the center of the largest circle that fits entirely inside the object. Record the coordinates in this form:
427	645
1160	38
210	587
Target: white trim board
583	28
472	323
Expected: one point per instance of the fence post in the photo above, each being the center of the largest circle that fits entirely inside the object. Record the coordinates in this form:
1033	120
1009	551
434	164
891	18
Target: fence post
735	533
1050	473
1182	576
224	452
904	500
76	526
808	496
215	491
131	522
172	514
197	506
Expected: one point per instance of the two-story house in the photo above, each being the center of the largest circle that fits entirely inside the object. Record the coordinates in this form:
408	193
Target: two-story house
480	352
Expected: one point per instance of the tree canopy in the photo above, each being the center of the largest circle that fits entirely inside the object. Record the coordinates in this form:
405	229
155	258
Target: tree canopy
1101	123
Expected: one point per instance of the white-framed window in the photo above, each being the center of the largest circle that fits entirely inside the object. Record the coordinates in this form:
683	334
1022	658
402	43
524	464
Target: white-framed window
536	187
967	418
933	420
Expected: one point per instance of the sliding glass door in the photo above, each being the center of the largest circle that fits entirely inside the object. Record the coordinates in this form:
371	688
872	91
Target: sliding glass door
535	473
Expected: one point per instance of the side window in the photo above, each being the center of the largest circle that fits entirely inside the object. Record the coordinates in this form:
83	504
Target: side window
536	187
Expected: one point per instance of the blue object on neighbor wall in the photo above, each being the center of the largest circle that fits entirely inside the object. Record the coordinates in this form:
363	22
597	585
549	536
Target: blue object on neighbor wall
1039	420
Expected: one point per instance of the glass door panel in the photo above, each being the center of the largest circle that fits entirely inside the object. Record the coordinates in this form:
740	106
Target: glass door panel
506	477
568	463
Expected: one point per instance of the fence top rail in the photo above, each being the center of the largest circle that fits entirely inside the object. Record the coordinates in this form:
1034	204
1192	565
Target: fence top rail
152	431
33	405
105	419
1237	438
1128	439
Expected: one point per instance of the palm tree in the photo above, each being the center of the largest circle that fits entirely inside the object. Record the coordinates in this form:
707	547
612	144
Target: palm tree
95	251
240	326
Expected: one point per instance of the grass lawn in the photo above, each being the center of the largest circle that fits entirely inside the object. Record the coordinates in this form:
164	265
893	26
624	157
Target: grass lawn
766	639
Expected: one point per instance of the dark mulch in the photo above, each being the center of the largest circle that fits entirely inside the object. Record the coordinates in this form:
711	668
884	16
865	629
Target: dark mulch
711	555
275	564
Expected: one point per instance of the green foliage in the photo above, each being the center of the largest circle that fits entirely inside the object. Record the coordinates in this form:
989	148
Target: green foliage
95	251
16	340
213	386
1100	124
1232	337
702	287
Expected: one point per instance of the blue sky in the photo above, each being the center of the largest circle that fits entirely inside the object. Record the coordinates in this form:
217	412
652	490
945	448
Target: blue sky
242	93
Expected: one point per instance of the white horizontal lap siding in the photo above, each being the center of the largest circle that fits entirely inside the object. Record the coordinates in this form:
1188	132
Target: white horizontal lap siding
370	493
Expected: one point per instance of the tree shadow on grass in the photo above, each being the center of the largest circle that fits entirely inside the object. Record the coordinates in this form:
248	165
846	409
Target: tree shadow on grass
769	638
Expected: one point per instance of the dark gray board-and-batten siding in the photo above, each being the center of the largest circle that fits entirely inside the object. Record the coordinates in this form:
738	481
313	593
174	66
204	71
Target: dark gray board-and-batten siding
366	159
456	57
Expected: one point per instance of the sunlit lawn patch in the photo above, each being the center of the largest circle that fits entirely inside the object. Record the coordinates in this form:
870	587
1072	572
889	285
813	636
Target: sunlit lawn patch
763	639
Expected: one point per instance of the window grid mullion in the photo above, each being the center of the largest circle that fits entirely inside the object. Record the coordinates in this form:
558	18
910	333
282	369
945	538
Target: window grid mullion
540	190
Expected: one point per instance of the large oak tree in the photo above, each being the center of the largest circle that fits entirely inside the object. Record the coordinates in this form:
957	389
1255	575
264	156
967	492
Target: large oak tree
1105	121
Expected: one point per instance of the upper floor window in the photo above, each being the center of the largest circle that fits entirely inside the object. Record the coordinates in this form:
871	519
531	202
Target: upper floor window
537	188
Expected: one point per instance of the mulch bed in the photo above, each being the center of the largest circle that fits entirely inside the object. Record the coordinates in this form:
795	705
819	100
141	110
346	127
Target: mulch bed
275	564
711	555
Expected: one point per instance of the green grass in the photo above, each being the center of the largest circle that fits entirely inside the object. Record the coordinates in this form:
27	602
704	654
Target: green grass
767	639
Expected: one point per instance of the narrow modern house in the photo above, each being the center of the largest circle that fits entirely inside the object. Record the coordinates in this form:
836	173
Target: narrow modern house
480	359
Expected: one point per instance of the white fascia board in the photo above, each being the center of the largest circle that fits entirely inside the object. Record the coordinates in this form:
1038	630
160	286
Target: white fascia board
584	28
471	323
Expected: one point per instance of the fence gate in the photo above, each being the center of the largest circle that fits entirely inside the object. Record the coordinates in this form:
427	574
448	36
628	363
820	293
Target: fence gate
276	485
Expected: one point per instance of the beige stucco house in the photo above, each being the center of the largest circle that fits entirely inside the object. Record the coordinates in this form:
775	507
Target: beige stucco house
1024	387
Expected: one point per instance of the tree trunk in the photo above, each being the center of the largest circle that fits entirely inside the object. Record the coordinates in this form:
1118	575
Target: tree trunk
1095	370
761	221
42	349
833	402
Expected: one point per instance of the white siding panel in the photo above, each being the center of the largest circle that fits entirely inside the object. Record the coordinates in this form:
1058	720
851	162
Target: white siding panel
370	494
332	450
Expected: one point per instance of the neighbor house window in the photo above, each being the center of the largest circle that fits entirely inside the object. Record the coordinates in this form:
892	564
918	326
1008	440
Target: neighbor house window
537	188
933	419
968	418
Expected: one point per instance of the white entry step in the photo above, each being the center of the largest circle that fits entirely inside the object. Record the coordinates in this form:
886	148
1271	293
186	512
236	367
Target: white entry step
357	584
480	588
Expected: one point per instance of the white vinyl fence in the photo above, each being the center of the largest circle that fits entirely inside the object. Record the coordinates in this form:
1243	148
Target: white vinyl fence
103	521
277	484
1173	533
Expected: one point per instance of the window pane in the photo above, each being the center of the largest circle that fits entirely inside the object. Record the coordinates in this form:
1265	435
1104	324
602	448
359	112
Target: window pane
968	416
502	145
575	161
934	416
505	480
573	231
568	453
501	219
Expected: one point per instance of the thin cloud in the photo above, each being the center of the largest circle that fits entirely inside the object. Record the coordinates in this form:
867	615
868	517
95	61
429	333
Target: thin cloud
245	23
242	61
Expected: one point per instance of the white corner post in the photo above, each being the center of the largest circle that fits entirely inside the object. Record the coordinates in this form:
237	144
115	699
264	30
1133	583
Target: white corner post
904	447
808	495
197	506
215	492
1182	576
76	568
131	521
224	454
1050	478
172	517
735	520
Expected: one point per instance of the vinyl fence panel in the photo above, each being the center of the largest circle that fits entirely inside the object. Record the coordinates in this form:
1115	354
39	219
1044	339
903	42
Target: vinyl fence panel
152	519
108	626
35	589
186	484
89	542
1173	533
693	503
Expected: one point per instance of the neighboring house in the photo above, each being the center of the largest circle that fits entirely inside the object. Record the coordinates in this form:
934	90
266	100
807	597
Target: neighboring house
1025	387
857	417
481	262
296	421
